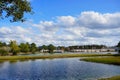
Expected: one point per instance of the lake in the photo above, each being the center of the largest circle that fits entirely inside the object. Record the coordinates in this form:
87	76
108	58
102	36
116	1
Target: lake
56	69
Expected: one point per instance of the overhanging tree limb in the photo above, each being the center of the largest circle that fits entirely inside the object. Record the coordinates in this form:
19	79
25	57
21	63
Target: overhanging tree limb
14	9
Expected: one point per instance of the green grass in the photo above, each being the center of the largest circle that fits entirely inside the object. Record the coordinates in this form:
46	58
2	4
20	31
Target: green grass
115	60
106	60
51	56
111	78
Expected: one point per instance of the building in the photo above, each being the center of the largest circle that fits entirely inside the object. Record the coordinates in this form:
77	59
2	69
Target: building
58	51
44	51
94	50
55	51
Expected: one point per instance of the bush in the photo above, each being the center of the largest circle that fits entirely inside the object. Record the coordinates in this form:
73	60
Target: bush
3	52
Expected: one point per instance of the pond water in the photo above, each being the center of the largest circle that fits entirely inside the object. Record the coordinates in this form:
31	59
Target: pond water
56	69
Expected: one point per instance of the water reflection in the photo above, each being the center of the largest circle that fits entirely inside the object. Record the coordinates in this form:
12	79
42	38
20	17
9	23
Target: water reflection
56	69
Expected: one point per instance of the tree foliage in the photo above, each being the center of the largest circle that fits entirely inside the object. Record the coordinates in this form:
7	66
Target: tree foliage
2	44
24	47
88	47
15	9
3	52
33	47
44	47
14	47
51	48
118	45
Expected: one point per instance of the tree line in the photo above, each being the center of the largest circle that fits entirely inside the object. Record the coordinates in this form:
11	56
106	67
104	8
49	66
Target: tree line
88	47
13	48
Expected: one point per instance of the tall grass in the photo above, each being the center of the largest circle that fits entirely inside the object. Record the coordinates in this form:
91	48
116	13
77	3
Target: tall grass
111	78
51	56
107	60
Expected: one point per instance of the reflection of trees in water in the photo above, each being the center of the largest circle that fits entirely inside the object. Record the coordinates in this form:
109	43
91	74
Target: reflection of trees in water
13	61
1	63
23	60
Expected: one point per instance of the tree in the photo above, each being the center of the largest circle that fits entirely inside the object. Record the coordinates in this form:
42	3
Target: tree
2	44
14	47
33	47
44	47
118	45
51	48
24	47
14	9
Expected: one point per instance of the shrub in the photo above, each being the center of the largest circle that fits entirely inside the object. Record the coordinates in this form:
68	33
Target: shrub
3	52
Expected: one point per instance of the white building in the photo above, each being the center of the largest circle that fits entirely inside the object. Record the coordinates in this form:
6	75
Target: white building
58	51
94	50
55	51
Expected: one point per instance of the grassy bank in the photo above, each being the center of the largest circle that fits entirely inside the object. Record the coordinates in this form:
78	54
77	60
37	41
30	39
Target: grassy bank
51	56
111	78
107	60
115	60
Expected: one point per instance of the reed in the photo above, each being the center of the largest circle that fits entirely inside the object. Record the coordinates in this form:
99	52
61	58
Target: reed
51	56
106	60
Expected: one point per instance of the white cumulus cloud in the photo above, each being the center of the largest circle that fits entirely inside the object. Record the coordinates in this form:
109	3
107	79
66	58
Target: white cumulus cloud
88	28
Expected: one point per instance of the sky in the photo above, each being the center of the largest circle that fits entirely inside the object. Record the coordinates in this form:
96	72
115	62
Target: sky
66	22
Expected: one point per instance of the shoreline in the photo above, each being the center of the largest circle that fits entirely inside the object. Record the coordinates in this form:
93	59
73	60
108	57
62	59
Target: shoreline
97	58
51	56
111	78
113	60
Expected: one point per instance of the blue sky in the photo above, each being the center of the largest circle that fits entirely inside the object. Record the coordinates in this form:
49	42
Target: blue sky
51	8
67	22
